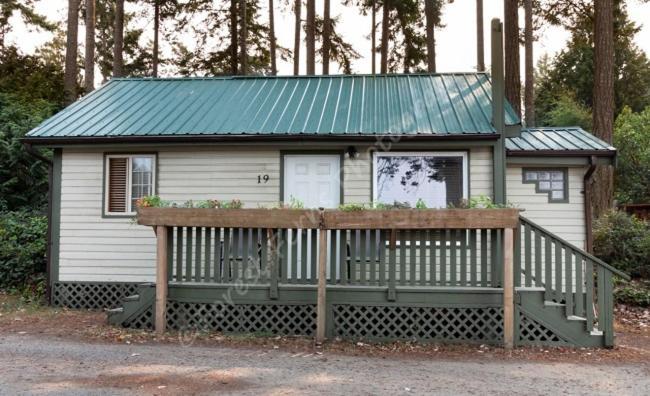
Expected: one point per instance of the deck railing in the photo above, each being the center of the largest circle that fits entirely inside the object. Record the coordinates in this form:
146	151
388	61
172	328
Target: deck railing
568	274
391	249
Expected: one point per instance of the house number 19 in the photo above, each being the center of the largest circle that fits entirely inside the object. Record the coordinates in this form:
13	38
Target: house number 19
262	179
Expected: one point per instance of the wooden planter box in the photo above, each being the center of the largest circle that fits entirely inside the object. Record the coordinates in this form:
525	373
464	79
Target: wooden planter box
331	219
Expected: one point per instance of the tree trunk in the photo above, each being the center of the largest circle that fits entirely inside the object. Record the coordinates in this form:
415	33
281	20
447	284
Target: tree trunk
156	28
234	42
296	38
373	39
274	68
480	54
327	37
243	52
529	88
310	37
70	75
384	37
89	64
429	13
118	37
603	103
511	44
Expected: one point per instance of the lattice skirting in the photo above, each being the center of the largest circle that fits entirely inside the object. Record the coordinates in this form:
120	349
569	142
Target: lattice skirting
285	319
86	295
532	332
418	323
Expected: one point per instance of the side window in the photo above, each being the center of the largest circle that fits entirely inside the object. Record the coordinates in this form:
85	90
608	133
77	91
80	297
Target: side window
127	179
552	181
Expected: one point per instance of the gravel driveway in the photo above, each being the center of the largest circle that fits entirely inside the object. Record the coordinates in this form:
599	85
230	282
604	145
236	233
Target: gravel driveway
33	365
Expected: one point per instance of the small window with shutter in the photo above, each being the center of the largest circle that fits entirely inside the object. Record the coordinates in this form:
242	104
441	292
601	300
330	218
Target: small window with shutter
128	178
438	179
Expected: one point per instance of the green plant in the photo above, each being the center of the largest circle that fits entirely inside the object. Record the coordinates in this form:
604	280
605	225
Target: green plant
353	207
420	204
633	293
295	203
480	202
23	246
394	205
623	241
152	201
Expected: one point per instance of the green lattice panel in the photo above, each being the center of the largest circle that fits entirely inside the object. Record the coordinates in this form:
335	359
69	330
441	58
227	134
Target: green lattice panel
286	319
532	332
81	295
420	323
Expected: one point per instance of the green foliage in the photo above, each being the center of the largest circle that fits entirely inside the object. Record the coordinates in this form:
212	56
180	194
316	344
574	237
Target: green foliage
354	207
566	111
152	201
23	179
635	293
571	71
295	203
481	202
624	242
632	140
22	248
420	204
31	78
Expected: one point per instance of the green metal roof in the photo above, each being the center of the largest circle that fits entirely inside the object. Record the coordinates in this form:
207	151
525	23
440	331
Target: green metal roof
416	104
565	139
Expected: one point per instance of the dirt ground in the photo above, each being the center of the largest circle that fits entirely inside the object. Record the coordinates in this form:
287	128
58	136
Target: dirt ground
47	350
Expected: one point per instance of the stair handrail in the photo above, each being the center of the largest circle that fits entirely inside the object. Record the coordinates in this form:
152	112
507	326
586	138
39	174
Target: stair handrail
582	252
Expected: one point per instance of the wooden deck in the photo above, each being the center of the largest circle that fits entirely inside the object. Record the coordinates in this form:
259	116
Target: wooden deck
423	274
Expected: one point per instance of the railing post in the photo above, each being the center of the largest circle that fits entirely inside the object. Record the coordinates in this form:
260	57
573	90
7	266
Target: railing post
605	306
321	307
161	278
508	289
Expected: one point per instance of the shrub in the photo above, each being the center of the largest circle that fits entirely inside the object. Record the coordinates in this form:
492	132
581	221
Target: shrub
23	243
633	293
623	241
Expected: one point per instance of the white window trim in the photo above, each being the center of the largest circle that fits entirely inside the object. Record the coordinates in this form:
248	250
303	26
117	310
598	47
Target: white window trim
130	211
462	154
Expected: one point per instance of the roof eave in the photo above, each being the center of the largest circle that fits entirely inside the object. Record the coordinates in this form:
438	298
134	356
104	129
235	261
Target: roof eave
64	140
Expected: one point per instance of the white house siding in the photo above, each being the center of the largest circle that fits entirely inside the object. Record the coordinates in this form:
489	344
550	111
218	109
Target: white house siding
564	219
94	248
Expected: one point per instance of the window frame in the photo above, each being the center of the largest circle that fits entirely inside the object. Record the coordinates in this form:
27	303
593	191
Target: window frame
131	212
565	182
463	154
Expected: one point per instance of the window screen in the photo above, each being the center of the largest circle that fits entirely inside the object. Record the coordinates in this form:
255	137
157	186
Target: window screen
437	179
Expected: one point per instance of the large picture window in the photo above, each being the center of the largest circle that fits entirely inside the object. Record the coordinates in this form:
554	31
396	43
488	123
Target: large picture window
439	179
128	178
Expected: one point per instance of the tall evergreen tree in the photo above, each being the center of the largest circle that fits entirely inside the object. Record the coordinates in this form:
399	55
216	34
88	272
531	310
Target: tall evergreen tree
603	110
385	29
272	39
118	40
243	49
297	11
310	37
71	69
373	38
327	37
89	51
511	51
480	40
529	85
430	14
156	33
25	8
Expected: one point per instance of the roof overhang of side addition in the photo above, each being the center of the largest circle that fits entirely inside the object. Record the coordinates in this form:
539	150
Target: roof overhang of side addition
564	142
355	107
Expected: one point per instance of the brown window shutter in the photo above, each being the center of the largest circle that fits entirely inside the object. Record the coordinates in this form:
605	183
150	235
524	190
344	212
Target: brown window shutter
117	174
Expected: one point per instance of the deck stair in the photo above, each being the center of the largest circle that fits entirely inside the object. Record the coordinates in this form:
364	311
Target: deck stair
133	306
563	293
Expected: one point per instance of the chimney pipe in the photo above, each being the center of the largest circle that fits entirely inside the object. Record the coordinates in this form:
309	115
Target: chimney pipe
498	114
498	80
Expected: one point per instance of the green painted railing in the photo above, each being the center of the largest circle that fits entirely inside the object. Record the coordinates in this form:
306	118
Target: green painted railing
568	274
367	257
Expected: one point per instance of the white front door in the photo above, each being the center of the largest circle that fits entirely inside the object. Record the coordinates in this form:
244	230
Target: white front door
313	179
